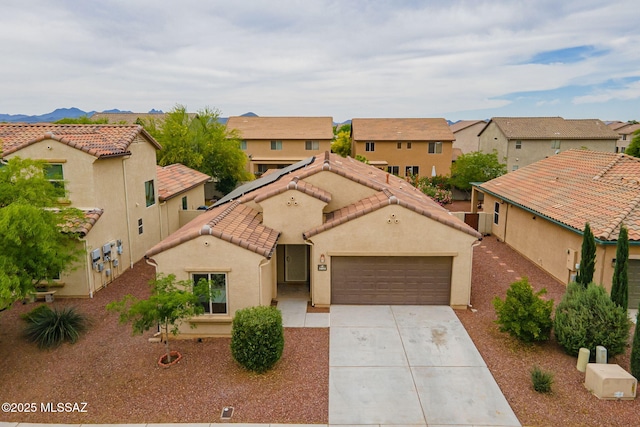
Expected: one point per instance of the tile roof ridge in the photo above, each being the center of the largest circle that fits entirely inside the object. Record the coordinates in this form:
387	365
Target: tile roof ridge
608	167
618	219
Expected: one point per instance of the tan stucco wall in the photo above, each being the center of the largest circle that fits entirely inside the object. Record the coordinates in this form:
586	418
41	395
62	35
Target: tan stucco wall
418	155
292	213
244	275
100	183
467	139
345	191
413	235
552	247
170	220
493	139
292	151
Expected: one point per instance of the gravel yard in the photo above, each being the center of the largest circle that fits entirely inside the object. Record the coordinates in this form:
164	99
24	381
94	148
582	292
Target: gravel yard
117	375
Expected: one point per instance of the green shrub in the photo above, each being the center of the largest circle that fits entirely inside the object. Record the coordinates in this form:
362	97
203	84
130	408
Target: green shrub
523	313
28	317
50	328
257	337
542	381
588	318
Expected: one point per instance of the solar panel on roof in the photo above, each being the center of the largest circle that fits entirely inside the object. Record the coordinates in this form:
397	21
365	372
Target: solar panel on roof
261	182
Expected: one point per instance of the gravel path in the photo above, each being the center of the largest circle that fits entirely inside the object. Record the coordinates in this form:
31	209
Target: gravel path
495	267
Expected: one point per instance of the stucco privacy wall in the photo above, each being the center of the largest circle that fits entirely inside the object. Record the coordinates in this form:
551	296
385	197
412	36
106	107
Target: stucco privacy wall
550	245
248	284
373	235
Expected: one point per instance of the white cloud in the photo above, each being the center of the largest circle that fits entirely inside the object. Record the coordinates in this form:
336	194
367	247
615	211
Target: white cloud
346	59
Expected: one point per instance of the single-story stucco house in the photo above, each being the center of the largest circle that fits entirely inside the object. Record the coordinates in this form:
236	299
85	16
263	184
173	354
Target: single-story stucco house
346	232
541	210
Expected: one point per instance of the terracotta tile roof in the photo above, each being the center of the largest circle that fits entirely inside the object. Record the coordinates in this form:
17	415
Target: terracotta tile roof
552	128
463	124
237	223
176	179
293	184
233	222
91	216
401	130
617	124
278	128
628	129
455	153
133	118
578	186
97	140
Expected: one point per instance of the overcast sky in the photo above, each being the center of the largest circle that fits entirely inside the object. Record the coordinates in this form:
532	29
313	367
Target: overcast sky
352	58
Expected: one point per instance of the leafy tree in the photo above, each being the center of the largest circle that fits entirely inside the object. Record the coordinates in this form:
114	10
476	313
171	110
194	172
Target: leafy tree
634	148
476	167
36	235
587	258
82	120
620	282
201	143
341	144
635	349
170	302
362	159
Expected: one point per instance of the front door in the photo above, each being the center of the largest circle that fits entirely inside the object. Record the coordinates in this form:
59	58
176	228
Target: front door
295	263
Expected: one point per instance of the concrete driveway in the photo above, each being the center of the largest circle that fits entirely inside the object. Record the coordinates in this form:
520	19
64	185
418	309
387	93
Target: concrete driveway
409	365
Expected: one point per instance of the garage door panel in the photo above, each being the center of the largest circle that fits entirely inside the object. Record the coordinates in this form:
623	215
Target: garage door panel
391	280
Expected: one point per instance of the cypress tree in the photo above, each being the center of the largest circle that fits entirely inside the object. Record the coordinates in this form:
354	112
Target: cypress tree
635	349
588	257
620	282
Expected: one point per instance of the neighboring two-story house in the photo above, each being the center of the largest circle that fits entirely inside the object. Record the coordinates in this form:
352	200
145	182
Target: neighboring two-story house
520	141
625	131
277	142
404	147
466	135
109	172
343	231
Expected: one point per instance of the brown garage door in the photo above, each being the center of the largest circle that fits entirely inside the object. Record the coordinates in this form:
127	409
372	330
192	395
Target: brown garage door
390	280
633	270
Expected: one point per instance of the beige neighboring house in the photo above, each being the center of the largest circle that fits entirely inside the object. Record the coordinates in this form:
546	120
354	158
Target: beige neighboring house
108	169
466	135
277	142
541	210
343	231
180	192
404	147
521	141
625	131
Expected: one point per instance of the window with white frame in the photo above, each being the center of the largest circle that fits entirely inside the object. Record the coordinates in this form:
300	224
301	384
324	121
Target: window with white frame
214	287
496	212
276	145
555	144
370	146
140	227
394	170
412	171
243	144
435	147
518	145
399	145
514	167
185	204
408	146
312	145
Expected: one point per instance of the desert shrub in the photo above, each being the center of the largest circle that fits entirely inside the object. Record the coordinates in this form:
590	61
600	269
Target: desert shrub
50	328
588	318
542	381
523	313
257	337
28	316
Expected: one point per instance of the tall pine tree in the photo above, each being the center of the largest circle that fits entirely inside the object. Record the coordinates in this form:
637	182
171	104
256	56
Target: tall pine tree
620	282
588	257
